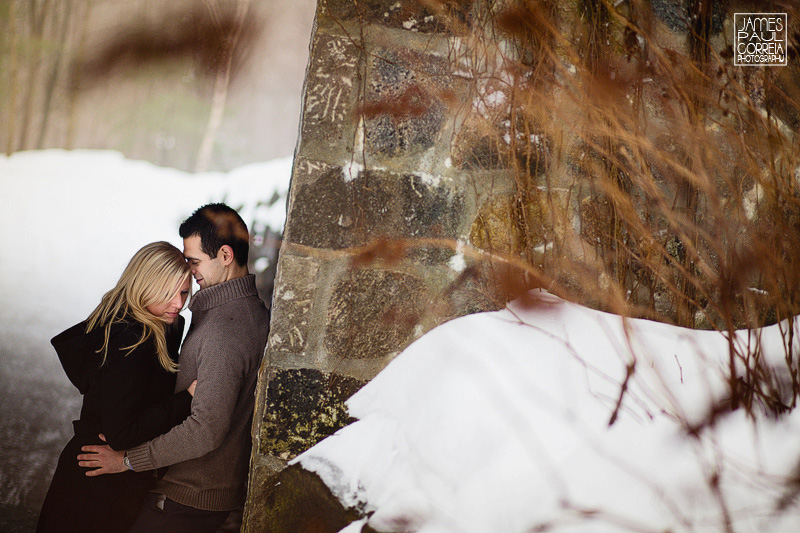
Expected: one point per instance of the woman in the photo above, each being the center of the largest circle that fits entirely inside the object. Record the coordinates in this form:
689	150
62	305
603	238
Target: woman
123	360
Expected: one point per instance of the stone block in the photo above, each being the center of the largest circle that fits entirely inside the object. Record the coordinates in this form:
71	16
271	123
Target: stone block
337	209
303	406
373	314
597	221
500	227
410	15
479	152
405	105
297	500
676	15
430	209
263	474
469	293
293	303
331	89
489	144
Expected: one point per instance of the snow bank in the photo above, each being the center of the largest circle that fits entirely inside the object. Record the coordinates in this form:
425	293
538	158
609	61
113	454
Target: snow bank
499	422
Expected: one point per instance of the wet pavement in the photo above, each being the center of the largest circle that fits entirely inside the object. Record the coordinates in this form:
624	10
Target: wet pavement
37	406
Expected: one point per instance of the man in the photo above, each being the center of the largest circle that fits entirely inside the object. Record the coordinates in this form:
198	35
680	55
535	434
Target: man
208	454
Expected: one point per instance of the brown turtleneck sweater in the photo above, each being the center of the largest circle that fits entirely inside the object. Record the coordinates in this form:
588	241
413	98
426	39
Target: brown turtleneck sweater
208	454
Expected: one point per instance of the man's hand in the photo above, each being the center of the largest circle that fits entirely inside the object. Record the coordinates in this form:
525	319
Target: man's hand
102	458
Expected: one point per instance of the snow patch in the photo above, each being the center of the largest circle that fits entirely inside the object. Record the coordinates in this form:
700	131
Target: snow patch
490	412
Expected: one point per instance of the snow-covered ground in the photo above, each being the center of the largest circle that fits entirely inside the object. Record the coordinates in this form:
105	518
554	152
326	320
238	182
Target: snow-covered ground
500	422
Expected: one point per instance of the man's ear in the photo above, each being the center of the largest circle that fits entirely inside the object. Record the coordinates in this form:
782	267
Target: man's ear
226	253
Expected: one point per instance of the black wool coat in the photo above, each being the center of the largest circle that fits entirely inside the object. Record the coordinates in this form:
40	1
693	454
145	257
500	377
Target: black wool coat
130	400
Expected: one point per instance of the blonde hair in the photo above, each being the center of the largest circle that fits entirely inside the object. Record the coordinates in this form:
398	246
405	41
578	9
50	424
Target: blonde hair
153	276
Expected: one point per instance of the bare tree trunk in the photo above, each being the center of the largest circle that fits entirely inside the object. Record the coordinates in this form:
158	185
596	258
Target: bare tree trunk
14	78
55	71
37	20
221	85
75	76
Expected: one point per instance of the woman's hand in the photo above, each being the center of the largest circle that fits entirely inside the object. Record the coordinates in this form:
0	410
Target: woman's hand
191	388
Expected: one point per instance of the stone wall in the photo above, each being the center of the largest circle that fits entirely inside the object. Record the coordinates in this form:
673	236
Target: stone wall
372	173
408	172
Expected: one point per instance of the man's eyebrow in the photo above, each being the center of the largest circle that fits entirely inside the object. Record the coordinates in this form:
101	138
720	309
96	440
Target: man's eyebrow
190	258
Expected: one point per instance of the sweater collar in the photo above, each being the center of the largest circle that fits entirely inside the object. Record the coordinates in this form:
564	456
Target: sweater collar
224	292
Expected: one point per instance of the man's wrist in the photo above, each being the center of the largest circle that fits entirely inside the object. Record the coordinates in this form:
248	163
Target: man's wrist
126	461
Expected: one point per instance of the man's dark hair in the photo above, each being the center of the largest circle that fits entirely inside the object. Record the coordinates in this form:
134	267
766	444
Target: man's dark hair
218	225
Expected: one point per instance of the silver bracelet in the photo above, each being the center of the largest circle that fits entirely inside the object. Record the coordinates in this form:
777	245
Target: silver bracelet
126	461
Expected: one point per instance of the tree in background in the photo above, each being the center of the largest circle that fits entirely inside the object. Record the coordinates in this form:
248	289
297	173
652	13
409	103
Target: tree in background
166	65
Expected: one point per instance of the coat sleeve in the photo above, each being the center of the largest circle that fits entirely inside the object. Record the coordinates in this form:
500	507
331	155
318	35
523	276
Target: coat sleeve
129	417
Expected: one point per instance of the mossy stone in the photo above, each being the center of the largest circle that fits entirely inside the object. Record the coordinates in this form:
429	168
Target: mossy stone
303	407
